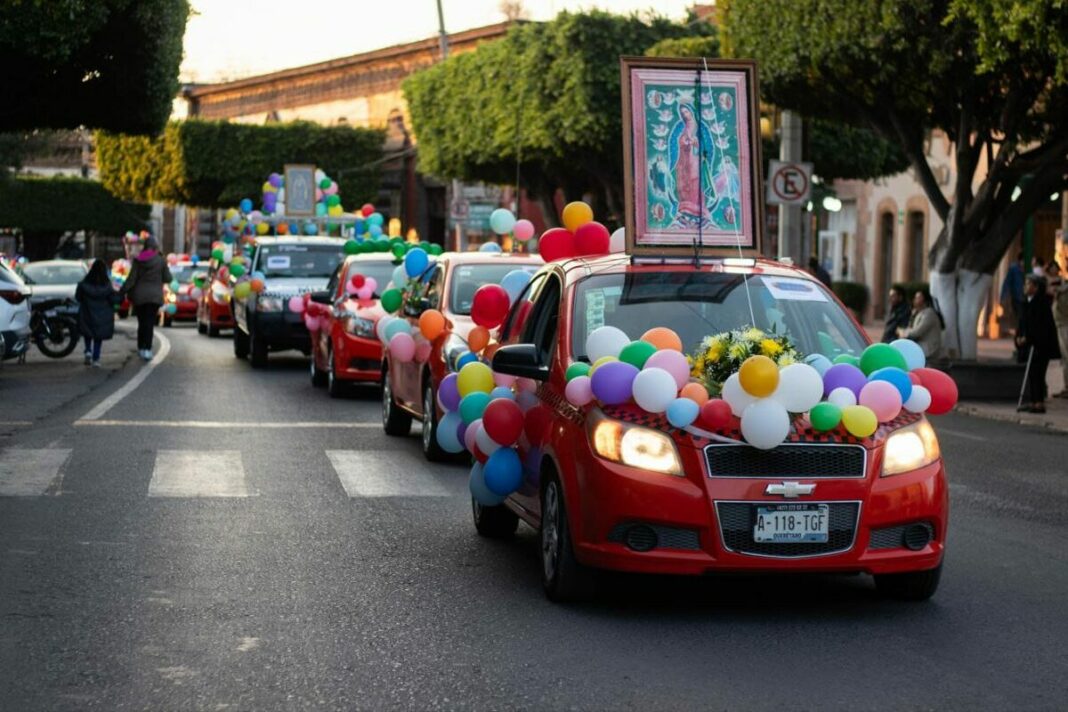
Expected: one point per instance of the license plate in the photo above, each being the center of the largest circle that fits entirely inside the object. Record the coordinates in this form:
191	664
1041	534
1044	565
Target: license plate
786	523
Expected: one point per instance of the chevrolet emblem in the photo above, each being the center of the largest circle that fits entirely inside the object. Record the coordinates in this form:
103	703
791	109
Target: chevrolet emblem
790	490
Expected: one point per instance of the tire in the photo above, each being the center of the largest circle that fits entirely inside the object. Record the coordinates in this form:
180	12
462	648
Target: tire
913	586
334	385
318	376
62	342
213	331
240	343
494	522
562	576
429	435
394	420
257	353
202	328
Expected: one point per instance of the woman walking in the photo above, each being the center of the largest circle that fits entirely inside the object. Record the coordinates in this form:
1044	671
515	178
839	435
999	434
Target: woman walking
144	284
96	310
925	325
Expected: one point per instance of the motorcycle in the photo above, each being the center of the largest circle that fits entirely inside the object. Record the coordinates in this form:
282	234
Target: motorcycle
54	327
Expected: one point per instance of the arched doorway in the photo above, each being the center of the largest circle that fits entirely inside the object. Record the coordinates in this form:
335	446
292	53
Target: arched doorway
916	247
884	262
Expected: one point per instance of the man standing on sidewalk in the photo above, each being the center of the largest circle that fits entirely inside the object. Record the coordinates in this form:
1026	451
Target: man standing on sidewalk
1038	336
1058	292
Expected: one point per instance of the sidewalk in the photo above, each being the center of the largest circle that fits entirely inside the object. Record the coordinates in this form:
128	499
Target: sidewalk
1056	415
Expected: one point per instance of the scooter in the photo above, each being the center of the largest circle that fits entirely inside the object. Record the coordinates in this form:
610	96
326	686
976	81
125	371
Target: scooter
54	327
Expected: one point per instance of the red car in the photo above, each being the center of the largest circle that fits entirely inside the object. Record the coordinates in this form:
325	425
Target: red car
213	310
616	488
409	390
186	305
346	350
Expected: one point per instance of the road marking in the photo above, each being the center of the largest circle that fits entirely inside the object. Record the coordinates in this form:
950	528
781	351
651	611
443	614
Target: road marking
385	473
959	434
111	401
30	473
224	424
9	423
198	473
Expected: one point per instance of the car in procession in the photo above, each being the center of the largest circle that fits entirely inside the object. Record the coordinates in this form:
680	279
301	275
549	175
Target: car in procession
184	298
214	312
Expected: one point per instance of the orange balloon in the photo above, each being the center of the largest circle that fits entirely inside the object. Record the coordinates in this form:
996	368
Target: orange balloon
477	339
695	392
431	324
576	214
256	285
663	338
487	353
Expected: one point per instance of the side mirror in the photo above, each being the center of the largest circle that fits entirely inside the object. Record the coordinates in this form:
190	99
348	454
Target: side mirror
520	360
321	297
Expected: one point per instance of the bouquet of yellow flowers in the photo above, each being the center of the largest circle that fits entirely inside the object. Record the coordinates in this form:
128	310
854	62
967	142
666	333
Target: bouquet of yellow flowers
722	354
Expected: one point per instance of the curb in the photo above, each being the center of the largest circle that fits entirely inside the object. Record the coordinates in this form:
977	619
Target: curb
1017	418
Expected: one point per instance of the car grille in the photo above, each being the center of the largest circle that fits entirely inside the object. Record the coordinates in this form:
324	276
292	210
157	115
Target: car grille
792	460
736	521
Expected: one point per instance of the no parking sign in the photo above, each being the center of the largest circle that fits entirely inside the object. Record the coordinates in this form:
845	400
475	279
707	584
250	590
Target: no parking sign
789	183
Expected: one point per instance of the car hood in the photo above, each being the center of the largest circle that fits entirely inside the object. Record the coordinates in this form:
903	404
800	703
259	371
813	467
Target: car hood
370	309
41	292
294	285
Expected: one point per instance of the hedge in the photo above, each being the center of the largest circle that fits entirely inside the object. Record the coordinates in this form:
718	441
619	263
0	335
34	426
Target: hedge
854	295
911	288
60	204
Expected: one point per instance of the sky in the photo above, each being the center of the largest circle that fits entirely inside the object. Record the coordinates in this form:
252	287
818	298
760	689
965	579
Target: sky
230	39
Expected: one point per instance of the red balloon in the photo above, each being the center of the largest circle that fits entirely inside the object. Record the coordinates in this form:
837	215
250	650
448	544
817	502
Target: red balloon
358	280
367	209
556	244
479	455
592	239
915	379
715	414
943	389
503	421
490	305
536	425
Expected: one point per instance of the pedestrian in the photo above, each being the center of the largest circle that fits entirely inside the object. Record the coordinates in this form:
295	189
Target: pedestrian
897	314
1013	286
1058	294
96	310
925	324
818	272
144	285
1037	335
1038	266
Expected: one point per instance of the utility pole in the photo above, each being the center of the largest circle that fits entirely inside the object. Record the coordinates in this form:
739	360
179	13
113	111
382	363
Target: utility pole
790	215
456	187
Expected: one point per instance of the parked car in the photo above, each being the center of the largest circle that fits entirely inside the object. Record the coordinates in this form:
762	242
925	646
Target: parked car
14	314
609	488
213	309
185	304
53	279
291	266
409	390
346	350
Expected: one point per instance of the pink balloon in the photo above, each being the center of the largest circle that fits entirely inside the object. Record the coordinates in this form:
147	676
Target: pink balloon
312	322
579	391
883	398
296	305
371	283
351	288
422	351
318	195
364	292
470	433
402	347
503	379
527	384
673	362
523	230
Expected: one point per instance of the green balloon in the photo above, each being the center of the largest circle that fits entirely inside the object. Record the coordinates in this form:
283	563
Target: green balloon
879	356
399	250
473	405
237	270
217	254
382	245
636	353
351	247
391	300
825	416
333	200
324	183
435	249
847	358
577	369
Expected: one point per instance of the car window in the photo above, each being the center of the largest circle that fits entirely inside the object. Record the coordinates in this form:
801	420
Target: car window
185	273
291	260
466	279
540	328
53	274
521	309
335	281
432	293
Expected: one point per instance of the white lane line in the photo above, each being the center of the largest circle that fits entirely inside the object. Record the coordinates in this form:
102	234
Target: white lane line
385	473
198	473
111	401
224	424
959	434
12	423
30	472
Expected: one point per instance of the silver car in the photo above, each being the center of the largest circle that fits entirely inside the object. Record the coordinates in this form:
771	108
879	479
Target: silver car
14	314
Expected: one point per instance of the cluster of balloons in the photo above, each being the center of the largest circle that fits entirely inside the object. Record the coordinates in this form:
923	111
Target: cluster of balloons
398	246
132	238
581	236
120	270
503	222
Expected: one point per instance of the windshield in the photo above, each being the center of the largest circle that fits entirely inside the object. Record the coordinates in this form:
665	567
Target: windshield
700	304
379	270
298	260
186	273
466	279
41	273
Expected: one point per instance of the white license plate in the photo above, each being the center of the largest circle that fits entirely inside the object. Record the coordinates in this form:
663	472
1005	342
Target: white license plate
786	523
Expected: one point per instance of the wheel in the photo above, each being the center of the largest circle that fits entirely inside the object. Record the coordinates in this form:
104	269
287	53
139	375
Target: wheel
202	328
257	351
318	376
213	331
394	420
431	450
61	340
562	576
240	343
494	522
334	385
913	586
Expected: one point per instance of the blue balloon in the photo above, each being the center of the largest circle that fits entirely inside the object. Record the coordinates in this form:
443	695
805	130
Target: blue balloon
228	238
490	247
194	258
294	228
258	275
416	262
503	471
912	352
465	358
477	484
245	205
397	326
819	362
447	433
502	221
320	210
502	392
514	282
681	412
376	219
895	377
375	230
310	229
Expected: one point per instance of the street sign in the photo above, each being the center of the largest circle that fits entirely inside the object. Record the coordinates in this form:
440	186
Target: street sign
789	183
459	210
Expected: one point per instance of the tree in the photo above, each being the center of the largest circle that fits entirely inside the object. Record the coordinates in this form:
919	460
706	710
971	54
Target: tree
991	74
109	64
216	163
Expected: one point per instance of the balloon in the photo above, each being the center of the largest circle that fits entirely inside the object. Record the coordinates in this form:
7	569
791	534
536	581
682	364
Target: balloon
484	442
255	284
575	370
825	416
365	292
859	421
819	362
591	239
879	356
759	376
242	289
171	308
416	261
422	351
465	358
695	392
474	378
556	244
503	472
681	412
391	300
715	414
735	395
245	205
376	219
617	243
435	250
663	338
400	276
296	305
351	247
449	393
523	230
882	398
503	379
399	249
375	230
842	397
605	341
514	282
218	254
489	247
843	375
477	338
897	378
919	401
402	347
503	421
576	214
470	431
654	389
431	324
502	221
472	406
848	359
526	401
636	353
911	352
579	390
255	217
380	328
446	434
600	362
367	209
311	322
612	382
765	424
310	229
800	388
526	384
476	483
942	388
397	326
490	306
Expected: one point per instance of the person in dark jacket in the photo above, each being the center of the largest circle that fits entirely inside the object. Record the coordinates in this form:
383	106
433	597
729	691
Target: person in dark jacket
1037	335
818	272
96	310
144	285
897	314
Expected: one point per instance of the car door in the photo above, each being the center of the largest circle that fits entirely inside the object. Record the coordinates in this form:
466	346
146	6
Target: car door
336	288
409	382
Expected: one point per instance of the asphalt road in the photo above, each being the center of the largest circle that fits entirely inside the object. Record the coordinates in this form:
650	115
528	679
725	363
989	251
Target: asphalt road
123	586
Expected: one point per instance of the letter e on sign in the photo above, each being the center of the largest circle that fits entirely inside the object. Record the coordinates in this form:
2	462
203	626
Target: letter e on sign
789	183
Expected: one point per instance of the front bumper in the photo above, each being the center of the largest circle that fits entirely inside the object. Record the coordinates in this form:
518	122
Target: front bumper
281	330
16	342
184	311
358	359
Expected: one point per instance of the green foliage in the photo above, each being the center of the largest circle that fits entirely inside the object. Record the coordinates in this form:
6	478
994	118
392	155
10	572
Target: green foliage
839	150
110	64
707	47
61	204
854	295
910	288
216	163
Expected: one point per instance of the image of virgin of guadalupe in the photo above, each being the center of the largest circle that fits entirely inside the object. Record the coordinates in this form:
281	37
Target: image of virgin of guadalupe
692	188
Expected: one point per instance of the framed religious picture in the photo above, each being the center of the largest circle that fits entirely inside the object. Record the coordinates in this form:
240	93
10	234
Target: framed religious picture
691	152
300	190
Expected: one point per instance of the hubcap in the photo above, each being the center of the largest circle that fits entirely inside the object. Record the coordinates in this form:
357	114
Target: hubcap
550	531
387	399
428	418
330	368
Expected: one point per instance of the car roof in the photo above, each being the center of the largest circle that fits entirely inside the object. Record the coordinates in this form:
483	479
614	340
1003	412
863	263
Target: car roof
73	263
578	268
306	240
487	258
372	257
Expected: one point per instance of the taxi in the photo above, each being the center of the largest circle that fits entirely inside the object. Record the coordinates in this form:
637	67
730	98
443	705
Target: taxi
616	488
213	310
185	304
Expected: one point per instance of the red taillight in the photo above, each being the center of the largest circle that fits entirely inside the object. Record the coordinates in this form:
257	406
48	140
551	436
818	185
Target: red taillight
12	296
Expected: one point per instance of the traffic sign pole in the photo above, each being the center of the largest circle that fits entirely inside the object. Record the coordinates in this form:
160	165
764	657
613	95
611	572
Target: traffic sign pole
790	214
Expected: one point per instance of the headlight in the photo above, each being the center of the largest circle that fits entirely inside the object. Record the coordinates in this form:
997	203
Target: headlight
359	326
634	446
910	448
454	346
269	304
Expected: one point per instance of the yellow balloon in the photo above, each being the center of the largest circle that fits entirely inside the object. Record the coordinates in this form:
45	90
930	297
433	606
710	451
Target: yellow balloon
241	290
576	215
600	362
262	229
759	376
474	378
859	420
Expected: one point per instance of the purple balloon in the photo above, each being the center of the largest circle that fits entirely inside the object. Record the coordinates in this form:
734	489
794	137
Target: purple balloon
275	180
843	375
461	430
612	382
449	393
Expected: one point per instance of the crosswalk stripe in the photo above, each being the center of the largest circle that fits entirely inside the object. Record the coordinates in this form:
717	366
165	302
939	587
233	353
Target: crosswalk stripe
30	472
198	473
385	473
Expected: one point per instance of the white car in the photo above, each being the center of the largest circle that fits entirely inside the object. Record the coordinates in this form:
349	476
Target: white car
53	279
14	314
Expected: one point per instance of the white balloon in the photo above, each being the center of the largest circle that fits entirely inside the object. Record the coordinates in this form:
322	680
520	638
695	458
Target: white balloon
654	389
736	396
842	397
400	277
605	341
281	195
800	387
765	424
485	443
618	241
919	401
